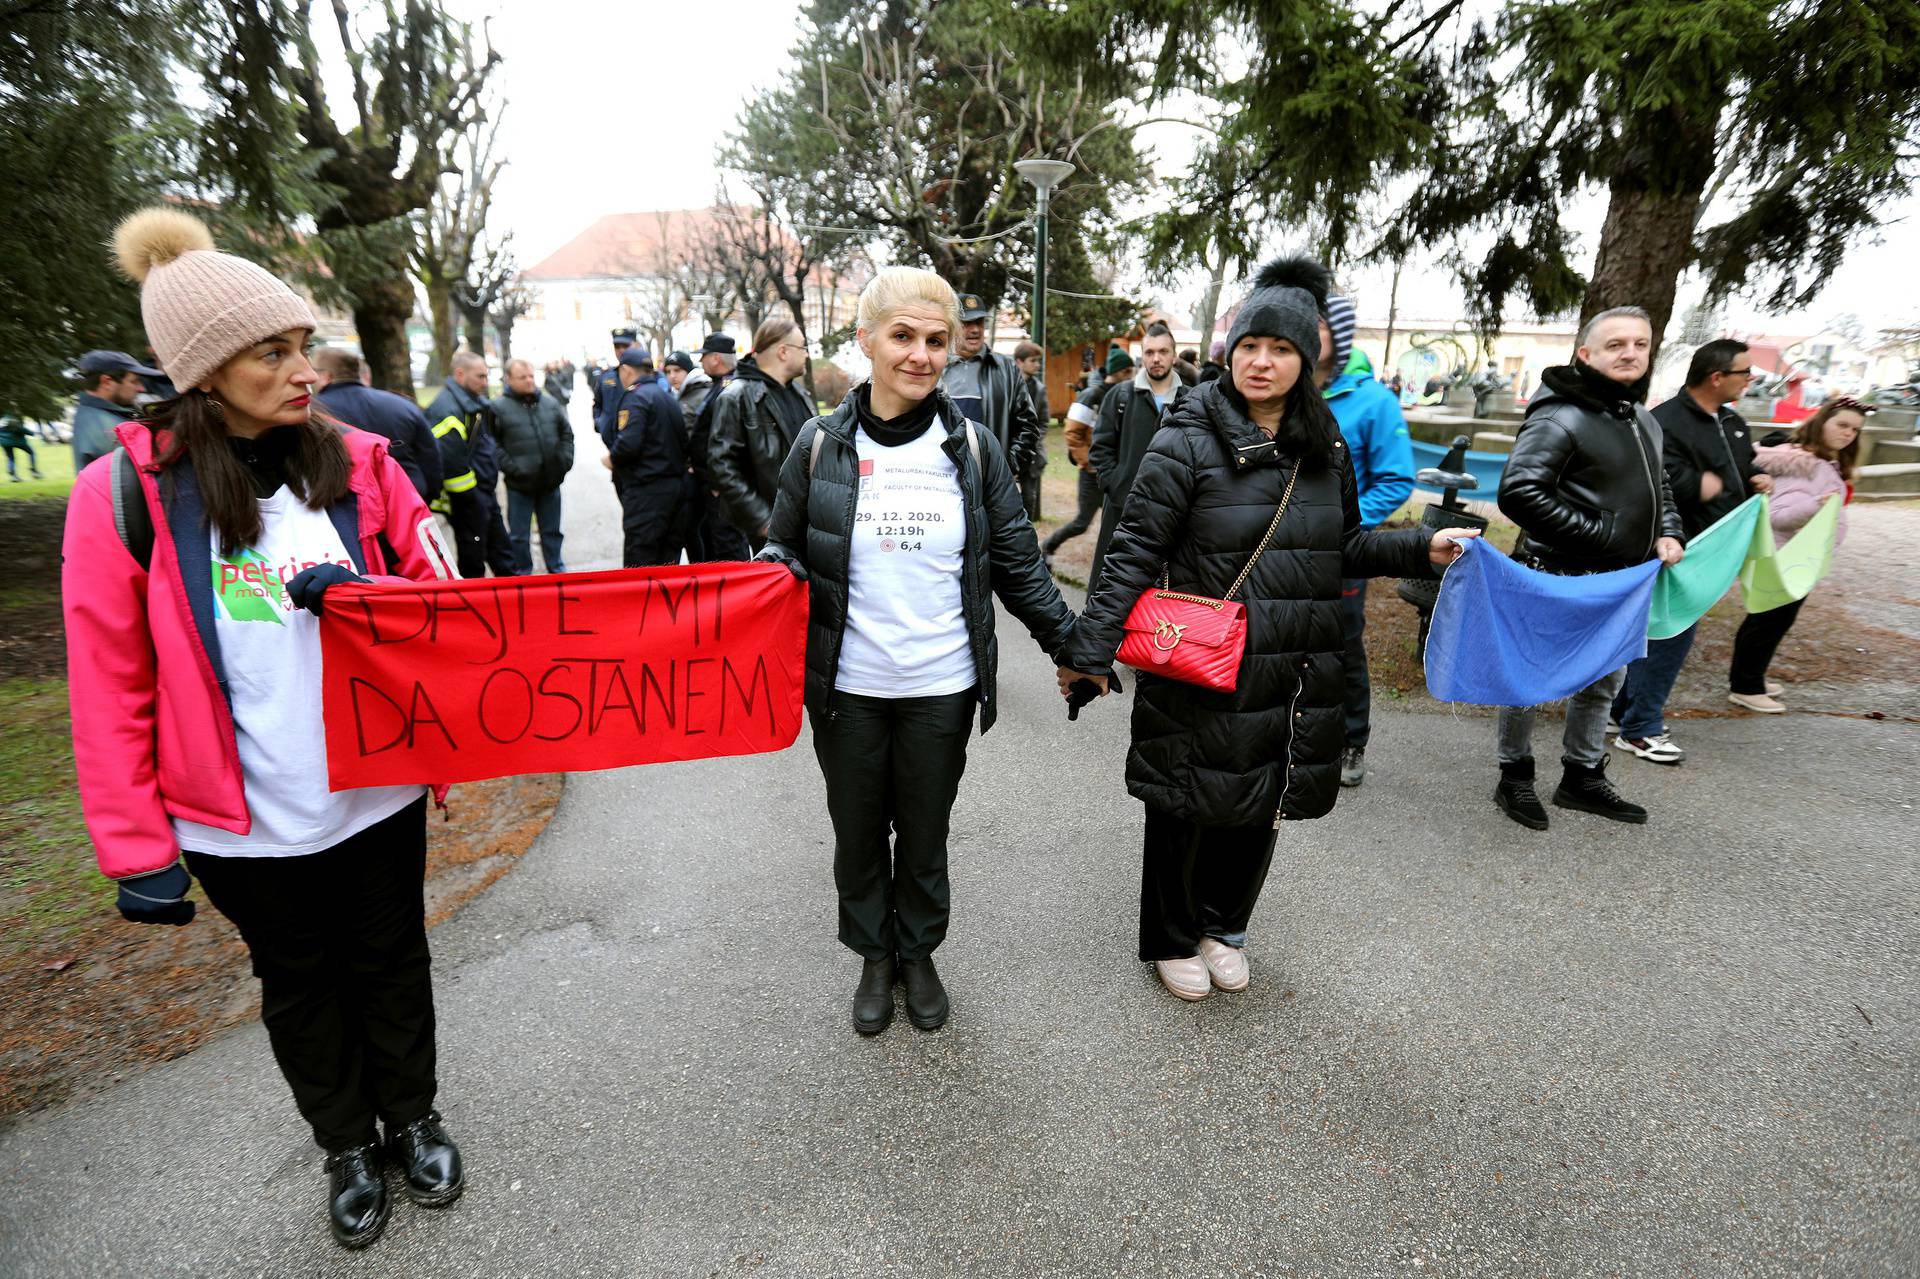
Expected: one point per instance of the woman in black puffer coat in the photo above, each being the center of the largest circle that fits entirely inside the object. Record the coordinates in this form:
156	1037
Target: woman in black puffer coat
1218	771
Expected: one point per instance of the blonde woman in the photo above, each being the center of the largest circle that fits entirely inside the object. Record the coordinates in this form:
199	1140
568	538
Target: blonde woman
908	522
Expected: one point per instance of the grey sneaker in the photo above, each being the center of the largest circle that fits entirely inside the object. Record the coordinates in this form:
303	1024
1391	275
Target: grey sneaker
1353	765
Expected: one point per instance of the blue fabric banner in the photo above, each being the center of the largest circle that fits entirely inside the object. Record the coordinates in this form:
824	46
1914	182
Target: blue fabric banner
1507	635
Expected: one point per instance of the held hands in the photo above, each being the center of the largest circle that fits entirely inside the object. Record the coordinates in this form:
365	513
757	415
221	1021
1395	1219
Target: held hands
1446	546
1669	551
1068	678
1761	483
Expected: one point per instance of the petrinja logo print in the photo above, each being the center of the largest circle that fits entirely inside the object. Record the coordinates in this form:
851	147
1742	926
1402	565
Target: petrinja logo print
248	589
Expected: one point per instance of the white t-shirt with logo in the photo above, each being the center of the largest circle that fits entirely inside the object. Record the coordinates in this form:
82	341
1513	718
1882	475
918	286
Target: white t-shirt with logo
271	651
906	632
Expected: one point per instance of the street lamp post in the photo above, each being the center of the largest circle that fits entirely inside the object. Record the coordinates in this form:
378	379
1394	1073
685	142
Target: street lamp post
1045	175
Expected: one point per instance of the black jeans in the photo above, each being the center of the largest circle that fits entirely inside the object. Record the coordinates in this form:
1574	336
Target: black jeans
1359	698
892	765
1089	496
1199	881
1754	644
339	943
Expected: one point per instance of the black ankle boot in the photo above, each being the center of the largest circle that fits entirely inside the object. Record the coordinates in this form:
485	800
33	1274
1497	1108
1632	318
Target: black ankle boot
1515	795
1585	787
430	1160
357	1204
926	998
873	998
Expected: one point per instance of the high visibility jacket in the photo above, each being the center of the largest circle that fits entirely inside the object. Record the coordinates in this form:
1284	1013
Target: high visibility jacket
450	433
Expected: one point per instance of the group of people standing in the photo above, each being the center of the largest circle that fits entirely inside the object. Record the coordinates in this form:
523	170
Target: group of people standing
212	528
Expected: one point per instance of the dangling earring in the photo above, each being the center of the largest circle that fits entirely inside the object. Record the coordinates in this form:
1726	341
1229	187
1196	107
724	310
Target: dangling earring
218	411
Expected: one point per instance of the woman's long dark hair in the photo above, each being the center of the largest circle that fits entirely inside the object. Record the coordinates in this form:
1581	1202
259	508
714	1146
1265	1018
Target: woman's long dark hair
317	466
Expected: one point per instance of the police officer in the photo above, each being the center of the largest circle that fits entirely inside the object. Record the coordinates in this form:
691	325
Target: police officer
607	386
649	464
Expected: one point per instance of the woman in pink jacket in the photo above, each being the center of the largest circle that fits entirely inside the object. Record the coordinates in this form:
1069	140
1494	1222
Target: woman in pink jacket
196	558
1817	463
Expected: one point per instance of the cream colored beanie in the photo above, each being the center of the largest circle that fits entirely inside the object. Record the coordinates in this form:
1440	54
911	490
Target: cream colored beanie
201	307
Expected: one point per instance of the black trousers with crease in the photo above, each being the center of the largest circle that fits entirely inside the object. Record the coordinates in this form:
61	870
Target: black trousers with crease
339	943
893	768
1199	881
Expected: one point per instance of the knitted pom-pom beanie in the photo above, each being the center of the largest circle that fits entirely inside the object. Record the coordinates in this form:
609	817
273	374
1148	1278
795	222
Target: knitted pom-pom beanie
201	307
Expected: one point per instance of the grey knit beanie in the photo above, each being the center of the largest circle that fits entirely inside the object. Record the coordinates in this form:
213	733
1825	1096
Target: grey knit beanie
1289	297
201	307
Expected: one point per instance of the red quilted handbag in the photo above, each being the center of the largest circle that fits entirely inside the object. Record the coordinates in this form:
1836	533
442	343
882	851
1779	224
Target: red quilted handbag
1194	638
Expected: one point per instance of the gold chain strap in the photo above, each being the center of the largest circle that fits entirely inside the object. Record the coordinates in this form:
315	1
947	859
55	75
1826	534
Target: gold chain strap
1166	574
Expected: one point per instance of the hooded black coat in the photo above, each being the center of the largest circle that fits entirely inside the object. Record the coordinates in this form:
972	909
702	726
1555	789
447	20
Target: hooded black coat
812	526
1204	495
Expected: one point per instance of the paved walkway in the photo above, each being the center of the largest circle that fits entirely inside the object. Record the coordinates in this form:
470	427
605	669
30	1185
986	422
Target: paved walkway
1684	1048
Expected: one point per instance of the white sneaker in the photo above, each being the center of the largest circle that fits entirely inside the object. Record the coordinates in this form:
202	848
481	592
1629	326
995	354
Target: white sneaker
1658	748
1226	965
1186	978
1757	702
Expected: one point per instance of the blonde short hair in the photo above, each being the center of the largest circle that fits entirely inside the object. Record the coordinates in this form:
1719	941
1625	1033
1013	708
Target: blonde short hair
903	286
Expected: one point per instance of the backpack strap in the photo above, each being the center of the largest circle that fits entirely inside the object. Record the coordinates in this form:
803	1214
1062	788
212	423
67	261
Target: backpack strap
973	447
131	518
813	458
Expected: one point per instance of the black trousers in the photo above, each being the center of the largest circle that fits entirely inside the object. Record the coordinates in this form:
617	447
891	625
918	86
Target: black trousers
339	943
1359	693
1198	881
498	543
653	519
893	768
467	513
1089	498
1754	645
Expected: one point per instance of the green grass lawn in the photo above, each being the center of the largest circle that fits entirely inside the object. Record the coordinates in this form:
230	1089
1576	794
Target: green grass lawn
56	464
49	885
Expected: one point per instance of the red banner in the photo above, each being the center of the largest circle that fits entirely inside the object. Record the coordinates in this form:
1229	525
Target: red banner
459	680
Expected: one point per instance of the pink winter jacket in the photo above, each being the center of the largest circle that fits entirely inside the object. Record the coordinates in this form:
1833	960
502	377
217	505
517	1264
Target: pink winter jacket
1802	483
153	731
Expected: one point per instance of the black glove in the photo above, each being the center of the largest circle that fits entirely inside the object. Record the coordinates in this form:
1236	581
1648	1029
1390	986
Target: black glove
1079	693
792	566
158	897
309	586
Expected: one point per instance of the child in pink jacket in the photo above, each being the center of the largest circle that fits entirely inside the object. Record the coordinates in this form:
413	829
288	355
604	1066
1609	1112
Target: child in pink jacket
1815	465
197	558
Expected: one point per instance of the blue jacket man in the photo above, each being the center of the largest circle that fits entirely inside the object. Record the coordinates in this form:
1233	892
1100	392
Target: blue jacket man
1382	453
113	379
410	439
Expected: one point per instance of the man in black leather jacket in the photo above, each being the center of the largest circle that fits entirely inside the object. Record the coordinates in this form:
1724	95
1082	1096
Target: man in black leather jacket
988	388
1586	485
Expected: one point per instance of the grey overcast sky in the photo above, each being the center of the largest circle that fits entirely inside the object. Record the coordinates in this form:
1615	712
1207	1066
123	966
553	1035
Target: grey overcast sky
620	108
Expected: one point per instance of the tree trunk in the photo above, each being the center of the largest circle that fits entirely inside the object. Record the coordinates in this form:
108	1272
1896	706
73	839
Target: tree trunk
1210	303
503	333
380	314
1644	246
1393	316
440	320
474	320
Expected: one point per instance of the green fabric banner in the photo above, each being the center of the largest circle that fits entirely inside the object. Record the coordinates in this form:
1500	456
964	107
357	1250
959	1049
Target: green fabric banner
1788	574
1685	591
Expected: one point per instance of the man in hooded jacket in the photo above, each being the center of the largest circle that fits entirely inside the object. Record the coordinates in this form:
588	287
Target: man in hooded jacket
1586	486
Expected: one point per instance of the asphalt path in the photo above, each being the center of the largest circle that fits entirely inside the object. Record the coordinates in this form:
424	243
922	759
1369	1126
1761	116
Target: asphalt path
1468	1048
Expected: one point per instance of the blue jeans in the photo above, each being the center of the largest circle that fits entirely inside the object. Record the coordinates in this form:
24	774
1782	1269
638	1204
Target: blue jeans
522	510
1641	707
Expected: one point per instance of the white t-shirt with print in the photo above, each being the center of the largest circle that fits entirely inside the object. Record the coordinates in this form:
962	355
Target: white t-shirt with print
906	632
271	651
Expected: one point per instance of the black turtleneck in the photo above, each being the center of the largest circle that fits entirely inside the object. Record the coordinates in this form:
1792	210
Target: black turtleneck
893	432
1594	390
265	457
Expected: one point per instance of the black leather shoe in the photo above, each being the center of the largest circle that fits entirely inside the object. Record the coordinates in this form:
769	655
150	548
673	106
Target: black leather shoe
1515	795
357	1204
926	997
1585	788
873	999
430	1161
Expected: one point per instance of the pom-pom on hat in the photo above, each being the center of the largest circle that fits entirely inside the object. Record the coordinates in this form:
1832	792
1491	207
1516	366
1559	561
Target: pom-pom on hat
201	307
1289	297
